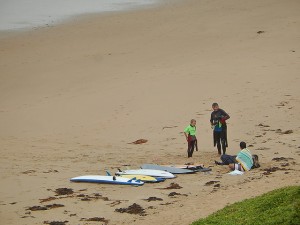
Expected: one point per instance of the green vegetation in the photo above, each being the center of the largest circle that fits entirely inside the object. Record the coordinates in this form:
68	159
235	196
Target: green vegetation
278	207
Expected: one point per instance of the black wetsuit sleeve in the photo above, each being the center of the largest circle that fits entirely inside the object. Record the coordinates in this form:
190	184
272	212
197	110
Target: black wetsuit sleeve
225	114
211	118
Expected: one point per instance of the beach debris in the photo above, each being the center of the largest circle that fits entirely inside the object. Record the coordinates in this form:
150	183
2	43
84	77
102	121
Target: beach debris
262	148
64	191
28	171
94	196
167	203
263	125
56	222
278	159
53	206
172	186
283	103
172	194
132	209
270	170
260	32
83	189
27	217
12	203
117	202
47	199
37	208
288	132
211	182
126	165
46	207
139	141
279	131
169	127
95	219
150	199
51	171
81	195
284	164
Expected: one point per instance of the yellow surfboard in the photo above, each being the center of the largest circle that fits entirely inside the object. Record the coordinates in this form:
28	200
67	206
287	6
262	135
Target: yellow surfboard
142	178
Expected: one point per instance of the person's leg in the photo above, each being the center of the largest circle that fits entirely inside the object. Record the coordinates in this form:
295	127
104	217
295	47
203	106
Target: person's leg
218	140
191	145
227	159
223	141
192	148
188	149
236	166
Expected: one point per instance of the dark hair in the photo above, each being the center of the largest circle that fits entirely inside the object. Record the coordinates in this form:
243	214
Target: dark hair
215	104
243	145
255	161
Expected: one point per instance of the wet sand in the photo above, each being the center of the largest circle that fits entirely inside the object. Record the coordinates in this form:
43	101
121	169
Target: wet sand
73	96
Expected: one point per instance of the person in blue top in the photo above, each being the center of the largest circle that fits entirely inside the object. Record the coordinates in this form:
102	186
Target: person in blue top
218	122
190	135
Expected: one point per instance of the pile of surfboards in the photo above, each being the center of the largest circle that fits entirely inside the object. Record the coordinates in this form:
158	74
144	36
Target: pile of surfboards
150	173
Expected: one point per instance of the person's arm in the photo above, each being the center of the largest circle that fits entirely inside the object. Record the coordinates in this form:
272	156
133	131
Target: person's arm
186	133
186	136
225	116
211	119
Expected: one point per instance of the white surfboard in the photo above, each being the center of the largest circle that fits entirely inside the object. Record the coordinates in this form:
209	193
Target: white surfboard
196	168
107	180
169	169
147	172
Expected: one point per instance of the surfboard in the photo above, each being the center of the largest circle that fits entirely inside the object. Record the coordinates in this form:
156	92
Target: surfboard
107	180
147	179
147	172
196	168
169	169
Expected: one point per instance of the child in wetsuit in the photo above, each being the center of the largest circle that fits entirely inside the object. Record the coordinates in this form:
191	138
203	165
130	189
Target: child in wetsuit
190	135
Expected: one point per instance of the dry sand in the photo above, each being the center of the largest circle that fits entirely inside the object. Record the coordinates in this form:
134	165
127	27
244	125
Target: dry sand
72	96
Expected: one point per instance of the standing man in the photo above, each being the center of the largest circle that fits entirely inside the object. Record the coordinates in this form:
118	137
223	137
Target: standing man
190	135
218	123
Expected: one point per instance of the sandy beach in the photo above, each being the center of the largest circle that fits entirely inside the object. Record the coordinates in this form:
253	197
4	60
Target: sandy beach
73	96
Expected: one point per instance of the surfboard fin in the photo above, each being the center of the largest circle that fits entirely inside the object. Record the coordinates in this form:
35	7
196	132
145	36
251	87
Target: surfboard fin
107	173
119	170
131	179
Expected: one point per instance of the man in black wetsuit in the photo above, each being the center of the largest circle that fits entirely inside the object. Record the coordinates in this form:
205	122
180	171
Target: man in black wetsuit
218	122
